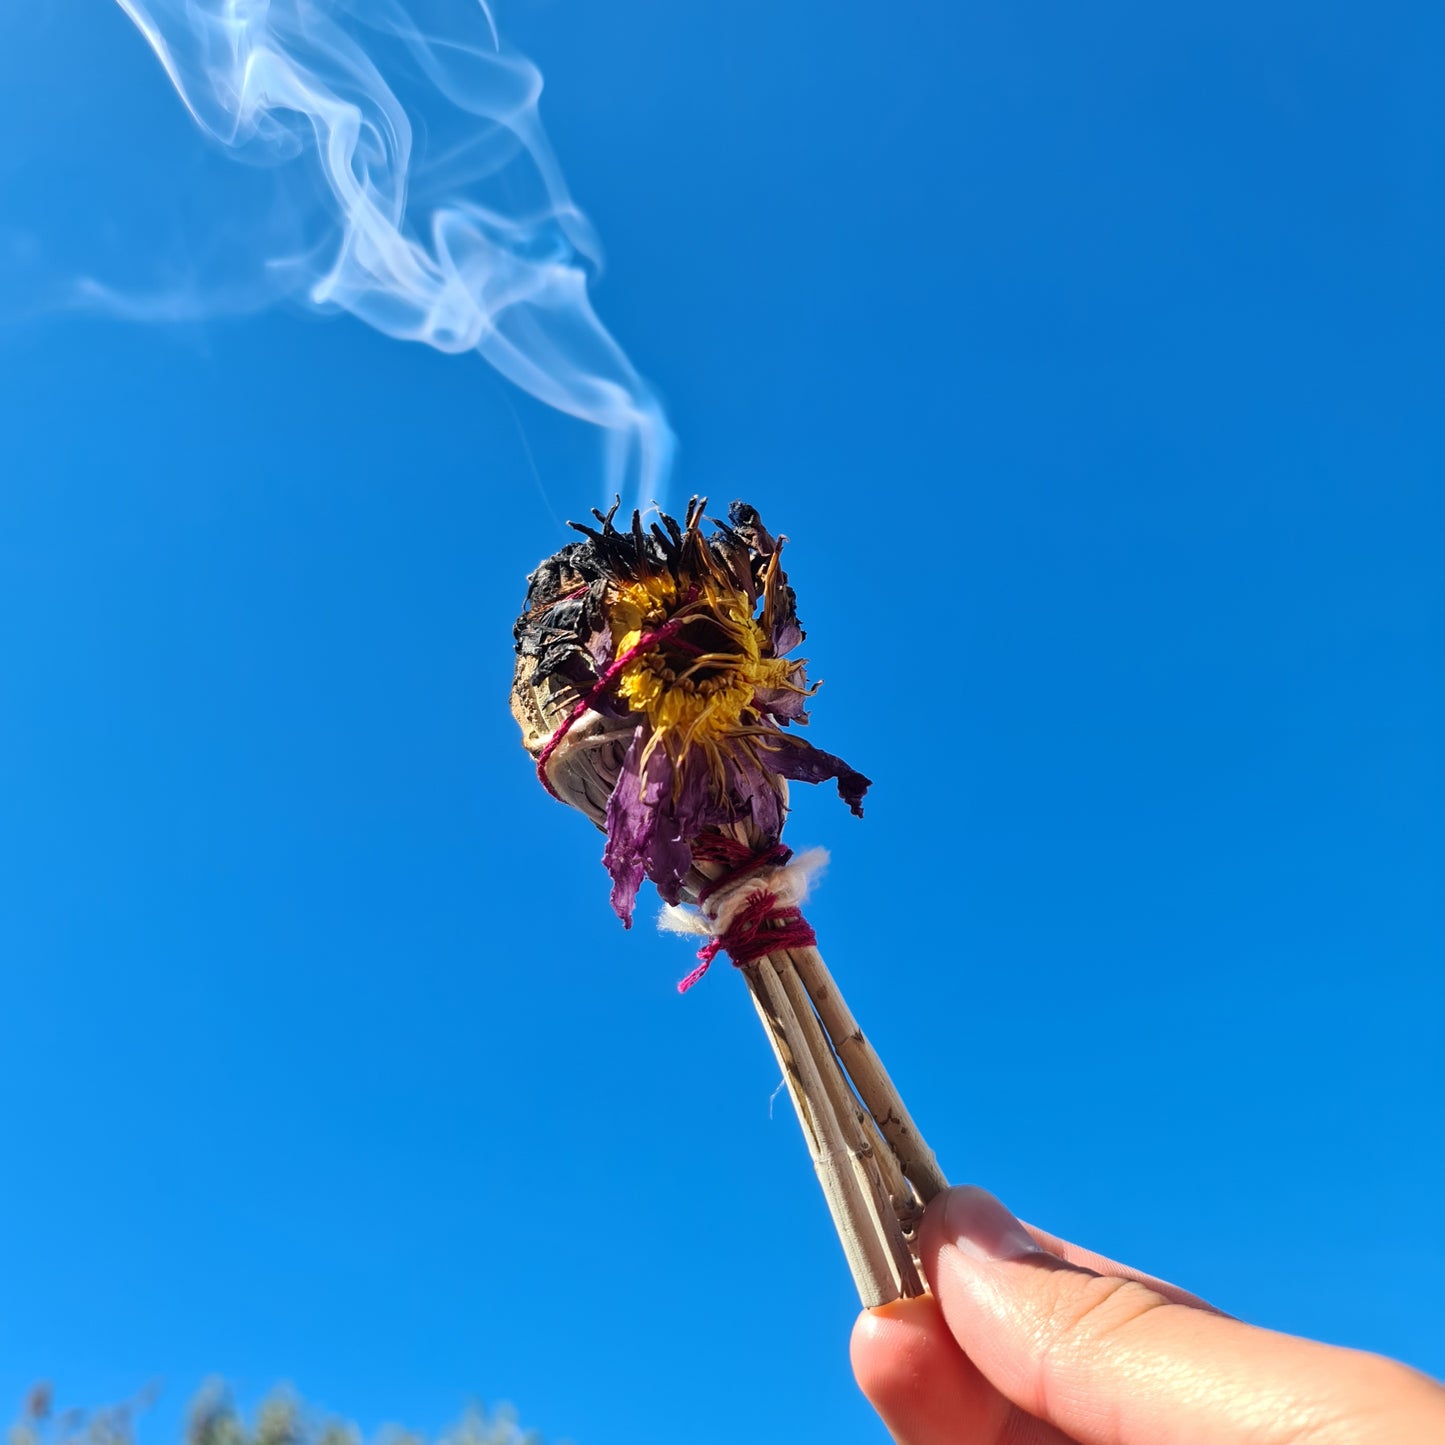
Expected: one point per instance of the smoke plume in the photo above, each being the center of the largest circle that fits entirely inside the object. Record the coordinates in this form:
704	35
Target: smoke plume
420	191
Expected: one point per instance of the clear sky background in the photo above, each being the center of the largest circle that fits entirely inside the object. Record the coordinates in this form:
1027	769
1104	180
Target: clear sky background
1092	358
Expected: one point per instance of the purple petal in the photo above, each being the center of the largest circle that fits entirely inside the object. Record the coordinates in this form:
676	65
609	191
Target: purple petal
782	703
758	794
632	822
786	636
679	822
803	763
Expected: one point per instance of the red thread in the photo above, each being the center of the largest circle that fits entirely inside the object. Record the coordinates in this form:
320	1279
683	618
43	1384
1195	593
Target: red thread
694	977
719	848
651	639
743	859
760	926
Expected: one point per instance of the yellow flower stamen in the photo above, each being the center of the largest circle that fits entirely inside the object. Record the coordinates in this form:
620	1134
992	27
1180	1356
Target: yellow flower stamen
695	700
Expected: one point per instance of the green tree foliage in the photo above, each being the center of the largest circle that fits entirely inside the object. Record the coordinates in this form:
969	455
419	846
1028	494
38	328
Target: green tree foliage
281	1419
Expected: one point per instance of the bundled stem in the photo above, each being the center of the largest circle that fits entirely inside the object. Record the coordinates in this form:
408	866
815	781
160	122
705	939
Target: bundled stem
873	1250
869	1077
875	1170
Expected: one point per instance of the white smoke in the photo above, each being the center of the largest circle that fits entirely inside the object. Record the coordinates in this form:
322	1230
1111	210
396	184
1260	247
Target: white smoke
426	198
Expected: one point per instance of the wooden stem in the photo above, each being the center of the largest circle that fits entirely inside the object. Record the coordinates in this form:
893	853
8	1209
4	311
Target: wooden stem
869	1076
875	1170
844	1102
854	1213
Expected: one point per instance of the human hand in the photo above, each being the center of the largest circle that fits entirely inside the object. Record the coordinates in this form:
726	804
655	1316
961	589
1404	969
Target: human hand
1028	1340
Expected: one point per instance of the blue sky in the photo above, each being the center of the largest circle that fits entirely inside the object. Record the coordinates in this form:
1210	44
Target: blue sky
1093	364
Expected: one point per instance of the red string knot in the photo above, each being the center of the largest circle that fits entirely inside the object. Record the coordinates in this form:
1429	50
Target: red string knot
752	909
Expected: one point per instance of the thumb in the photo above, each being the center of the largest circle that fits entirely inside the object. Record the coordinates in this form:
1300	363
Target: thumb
1111	1357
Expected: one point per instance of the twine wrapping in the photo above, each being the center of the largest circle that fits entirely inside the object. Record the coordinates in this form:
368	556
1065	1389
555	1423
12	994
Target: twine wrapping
751	910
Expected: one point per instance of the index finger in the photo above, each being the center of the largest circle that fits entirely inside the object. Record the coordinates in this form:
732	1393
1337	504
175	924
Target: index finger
1112	1269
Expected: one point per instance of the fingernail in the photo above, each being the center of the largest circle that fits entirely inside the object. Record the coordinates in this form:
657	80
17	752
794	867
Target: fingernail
973	1221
